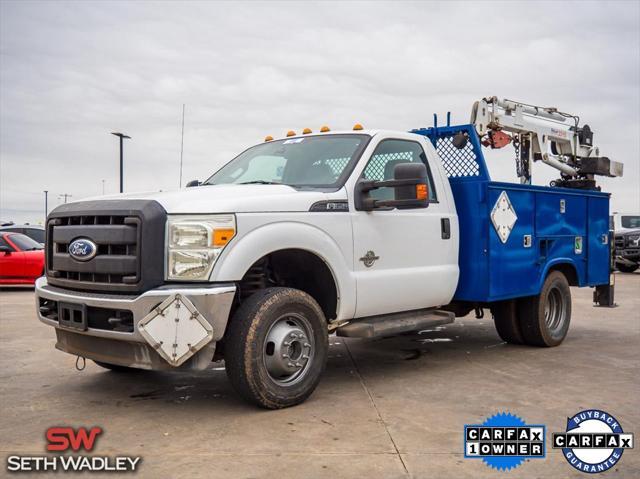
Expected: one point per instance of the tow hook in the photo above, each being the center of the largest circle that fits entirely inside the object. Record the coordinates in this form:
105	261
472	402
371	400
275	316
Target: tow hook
479	313
84	363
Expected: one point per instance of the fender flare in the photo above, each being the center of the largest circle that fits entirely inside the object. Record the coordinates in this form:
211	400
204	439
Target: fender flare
559	261
236	260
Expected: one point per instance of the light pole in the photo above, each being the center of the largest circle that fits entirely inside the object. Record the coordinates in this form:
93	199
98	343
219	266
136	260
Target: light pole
122	136
46	207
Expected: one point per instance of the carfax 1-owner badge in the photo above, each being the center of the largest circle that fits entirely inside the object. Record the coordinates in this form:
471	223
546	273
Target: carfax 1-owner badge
504	441
593	441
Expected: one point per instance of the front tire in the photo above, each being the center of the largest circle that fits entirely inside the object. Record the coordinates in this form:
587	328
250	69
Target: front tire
545	319
276	347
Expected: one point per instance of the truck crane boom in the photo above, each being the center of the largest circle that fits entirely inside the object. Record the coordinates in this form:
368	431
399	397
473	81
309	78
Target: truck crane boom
543	134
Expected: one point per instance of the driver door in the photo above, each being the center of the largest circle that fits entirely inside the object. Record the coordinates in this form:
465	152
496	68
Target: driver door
403	260
11	264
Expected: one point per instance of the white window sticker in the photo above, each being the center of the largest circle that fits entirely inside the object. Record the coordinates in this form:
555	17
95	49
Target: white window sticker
293	140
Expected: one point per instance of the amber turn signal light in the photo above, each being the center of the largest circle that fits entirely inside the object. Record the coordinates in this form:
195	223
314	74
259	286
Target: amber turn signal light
222	236
357	127
421	191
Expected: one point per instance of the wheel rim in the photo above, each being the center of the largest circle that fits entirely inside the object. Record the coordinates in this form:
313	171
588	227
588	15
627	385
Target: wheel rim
288	349
554	310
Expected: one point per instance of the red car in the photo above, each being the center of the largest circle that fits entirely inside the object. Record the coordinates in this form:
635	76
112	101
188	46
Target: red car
21	259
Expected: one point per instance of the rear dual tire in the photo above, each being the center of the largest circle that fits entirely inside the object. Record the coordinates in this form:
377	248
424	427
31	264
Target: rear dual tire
541	320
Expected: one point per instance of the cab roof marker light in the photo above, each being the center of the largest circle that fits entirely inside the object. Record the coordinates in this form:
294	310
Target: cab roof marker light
324	129
268	138
306	131
291	133
357	127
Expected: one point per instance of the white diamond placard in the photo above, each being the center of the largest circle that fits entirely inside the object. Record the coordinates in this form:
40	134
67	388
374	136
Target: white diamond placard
503	216
175	329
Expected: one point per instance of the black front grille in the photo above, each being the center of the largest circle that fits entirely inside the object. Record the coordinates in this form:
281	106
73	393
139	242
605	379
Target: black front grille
129	235
117	238
619	241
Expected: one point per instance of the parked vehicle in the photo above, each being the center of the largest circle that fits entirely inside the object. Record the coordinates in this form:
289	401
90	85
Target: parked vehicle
622	222
361	233
35	232
21	259
627	250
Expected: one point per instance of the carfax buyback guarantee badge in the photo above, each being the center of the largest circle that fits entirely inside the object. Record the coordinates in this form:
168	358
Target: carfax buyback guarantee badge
593	441
504	441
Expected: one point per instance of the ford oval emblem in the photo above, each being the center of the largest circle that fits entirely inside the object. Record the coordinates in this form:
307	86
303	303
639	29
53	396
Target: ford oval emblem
82	249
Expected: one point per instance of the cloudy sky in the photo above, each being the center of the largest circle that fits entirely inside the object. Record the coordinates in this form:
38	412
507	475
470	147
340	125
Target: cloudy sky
73	72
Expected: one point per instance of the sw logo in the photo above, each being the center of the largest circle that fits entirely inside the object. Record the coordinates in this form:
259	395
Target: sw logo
593	441
504	441
64	438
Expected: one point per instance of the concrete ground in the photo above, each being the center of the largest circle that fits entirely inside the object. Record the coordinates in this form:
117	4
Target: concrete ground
387	408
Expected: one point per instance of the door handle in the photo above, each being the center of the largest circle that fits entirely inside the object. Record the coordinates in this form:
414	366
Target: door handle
445	227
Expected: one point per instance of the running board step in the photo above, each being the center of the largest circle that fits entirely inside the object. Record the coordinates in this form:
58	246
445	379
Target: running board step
397	323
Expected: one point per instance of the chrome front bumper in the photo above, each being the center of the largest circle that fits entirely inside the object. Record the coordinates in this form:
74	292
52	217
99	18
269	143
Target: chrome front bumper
130	348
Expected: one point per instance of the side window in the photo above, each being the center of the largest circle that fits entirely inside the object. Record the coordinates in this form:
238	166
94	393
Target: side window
35	234
5	243
386	156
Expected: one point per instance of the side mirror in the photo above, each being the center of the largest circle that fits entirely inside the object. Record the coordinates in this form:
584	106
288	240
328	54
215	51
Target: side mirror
6	250
410	184
193	183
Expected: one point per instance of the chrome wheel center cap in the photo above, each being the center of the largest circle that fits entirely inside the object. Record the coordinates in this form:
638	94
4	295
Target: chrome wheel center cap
287	350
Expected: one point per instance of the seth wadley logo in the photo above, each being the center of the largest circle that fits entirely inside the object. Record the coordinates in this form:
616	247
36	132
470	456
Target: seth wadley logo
64	439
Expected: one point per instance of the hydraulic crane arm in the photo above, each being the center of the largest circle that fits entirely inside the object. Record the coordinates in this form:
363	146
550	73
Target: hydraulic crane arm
543	134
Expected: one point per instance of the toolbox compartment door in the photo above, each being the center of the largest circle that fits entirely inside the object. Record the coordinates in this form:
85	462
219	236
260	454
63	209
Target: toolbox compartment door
598	241
513	269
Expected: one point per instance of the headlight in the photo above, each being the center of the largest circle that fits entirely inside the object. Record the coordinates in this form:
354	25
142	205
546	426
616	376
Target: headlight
194	244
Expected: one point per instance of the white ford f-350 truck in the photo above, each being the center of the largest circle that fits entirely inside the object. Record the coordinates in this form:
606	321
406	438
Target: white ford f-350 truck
362	233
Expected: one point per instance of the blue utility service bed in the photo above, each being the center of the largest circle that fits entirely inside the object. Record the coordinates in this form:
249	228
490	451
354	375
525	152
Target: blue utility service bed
569	228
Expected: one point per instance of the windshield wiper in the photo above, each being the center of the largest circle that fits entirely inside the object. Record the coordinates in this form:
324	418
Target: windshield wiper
260	182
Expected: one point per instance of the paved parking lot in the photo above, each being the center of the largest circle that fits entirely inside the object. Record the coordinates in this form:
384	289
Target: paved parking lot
387	408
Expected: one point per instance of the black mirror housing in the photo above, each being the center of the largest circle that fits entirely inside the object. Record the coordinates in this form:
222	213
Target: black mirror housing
410	183
5	249
193	183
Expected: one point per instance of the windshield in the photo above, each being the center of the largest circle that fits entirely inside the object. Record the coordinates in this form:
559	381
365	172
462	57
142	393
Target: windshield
630	221
317	161
24	242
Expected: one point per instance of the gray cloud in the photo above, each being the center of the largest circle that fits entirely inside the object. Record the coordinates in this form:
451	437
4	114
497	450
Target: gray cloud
73	72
